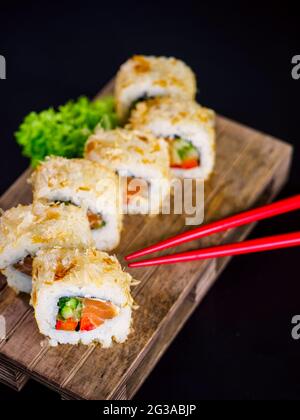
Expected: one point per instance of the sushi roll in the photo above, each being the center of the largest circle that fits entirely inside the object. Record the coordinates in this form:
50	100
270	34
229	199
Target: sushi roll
81	297
23	232
88	185
189	129
144	77
141	160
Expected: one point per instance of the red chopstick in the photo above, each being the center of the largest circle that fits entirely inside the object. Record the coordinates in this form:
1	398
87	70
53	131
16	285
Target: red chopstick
247	247
264	212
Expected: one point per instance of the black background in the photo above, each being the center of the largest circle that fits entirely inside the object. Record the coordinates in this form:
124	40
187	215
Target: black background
238	343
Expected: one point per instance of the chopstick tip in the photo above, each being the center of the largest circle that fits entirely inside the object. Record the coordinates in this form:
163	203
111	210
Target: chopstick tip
134	255
132	265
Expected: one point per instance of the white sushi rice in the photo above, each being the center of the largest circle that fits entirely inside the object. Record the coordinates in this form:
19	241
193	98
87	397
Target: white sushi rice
137	155
199	137
107	237
89	274
87	185
17	280
168	118
26	229
115	329
149	76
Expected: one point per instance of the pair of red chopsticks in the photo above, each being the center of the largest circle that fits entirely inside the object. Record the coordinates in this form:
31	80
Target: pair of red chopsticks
256	245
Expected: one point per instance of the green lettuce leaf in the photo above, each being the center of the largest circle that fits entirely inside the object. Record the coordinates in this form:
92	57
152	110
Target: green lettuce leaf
63	132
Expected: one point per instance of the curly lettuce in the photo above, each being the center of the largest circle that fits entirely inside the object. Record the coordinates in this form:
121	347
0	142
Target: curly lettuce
63	132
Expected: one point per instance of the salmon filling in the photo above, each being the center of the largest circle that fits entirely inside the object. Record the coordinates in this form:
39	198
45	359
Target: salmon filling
95	220
83	314
25	266
183	154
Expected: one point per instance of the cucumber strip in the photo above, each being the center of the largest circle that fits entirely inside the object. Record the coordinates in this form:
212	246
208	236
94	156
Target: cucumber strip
182	150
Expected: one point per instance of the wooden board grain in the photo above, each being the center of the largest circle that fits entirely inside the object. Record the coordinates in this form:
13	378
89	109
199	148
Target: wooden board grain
250	170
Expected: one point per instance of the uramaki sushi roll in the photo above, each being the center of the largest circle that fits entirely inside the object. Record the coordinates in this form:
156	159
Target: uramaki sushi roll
81	296
189	129
23	232
143	77
88	185
141	160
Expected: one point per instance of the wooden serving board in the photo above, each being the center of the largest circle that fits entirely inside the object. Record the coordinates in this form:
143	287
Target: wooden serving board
251	168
